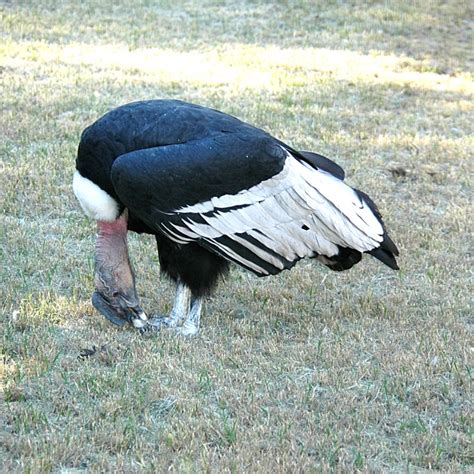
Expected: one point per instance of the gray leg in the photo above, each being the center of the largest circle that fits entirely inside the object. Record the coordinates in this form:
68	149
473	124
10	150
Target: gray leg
182	303
179	312
185	314
190	326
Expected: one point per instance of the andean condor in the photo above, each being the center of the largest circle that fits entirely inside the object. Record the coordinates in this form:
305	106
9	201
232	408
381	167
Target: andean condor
213	190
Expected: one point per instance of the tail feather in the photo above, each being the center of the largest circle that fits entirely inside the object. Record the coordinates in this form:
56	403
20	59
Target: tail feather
387	251
346	258
389	245
385	257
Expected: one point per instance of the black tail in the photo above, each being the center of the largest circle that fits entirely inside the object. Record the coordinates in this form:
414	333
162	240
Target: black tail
385	255
387	251
345	259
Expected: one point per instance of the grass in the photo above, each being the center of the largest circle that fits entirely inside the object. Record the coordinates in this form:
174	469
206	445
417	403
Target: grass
308	371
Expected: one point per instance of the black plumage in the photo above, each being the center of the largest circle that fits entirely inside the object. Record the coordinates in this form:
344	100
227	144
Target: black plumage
214	190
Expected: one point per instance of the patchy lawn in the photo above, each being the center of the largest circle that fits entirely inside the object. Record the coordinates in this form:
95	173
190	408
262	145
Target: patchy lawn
307	371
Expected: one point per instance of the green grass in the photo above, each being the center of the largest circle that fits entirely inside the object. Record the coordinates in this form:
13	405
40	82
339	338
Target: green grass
311	370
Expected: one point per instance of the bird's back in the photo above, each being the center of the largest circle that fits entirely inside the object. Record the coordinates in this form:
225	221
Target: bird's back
148	124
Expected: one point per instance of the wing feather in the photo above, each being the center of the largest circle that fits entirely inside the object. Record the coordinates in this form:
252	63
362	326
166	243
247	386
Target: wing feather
299	212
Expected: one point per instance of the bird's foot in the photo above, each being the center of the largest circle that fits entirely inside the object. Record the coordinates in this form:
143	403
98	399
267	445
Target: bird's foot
184	316
187	329
158	322
190	326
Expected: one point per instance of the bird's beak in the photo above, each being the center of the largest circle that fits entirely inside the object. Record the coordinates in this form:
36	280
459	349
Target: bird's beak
118	311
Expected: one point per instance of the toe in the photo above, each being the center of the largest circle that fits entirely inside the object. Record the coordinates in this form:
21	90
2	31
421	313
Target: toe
187	330
157	322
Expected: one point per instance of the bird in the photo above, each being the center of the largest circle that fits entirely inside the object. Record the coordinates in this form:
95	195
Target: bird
214	191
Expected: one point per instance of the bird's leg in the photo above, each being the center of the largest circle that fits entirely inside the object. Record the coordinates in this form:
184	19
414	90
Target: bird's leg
180	310
185	314
190	326
181	305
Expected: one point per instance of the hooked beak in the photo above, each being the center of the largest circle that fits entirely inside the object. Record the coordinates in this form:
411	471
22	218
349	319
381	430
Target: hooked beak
118	311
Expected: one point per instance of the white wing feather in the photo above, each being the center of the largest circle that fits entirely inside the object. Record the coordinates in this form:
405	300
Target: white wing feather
301	211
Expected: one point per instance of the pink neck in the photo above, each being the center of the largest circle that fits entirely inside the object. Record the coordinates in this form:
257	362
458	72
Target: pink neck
116	227
112	265
111	243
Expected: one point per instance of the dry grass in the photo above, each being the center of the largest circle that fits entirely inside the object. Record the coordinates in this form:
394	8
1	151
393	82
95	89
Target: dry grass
310	371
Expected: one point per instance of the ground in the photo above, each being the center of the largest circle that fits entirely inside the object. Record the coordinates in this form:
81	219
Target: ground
308	371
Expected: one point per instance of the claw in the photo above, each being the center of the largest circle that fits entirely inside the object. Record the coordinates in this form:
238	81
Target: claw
155	323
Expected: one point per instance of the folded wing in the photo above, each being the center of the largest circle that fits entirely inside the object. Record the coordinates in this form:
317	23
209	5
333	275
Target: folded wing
277	215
